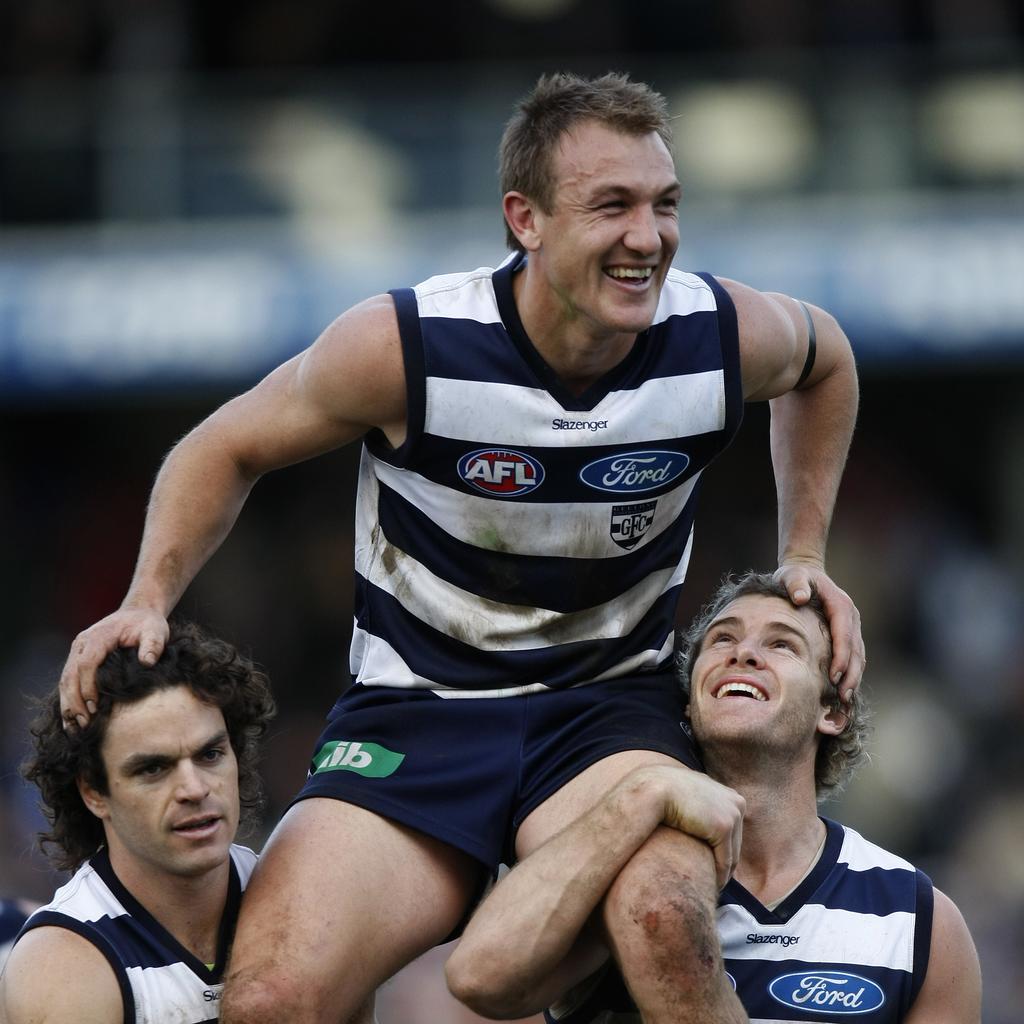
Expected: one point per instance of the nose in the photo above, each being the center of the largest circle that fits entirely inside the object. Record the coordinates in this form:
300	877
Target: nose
745	653
642	235
191	784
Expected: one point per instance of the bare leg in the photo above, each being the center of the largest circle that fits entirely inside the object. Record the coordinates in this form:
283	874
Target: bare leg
659	914
340	901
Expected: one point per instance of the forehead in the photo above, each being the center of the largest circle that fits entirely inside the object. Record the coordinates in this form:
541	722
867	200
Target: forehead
167	721
761	611
591	154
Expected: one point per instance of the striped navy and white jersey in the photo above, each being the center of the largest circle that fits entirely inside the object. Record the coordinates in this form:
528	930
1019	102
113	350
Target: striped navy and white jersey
522	537
12	917
160	980
850	942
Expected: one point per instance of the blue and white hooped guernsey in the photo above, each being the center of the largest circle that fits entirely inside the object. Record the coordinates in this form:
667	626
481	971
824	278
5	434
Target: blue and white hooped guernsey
160	980
850	943
523	538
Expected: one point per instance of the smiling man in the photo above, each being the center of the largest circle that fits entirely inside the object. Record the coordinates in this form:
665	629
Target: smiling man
816	924
516	580
144	805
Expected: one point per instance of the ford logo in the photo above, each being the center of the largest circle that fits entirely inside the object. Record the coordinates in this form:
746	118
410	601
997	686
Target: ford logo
634	471
501	472
830	991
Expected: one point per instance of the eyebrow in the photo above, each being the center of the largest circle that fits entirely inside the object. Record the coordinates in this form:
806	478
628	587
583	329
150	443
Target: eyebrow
779	627
143	759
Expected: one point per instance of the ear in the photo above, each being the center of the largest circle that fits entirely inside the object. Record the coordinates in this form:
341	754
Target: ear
521	215
93	799
832	721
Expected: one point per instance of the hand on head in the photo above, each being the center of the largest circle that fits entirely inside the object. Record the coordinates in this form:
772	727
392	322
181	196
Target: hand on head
127	627
848	654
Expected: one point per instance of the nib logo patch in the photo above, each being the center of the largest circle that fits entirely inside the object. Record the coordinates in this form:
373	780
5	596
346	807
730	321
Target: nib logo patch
369	759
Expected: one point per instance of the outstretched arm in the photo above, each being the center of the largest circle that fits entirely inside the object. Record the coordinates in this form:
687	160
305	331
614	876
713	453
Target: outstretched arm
349	380
812	426
517	954
951	993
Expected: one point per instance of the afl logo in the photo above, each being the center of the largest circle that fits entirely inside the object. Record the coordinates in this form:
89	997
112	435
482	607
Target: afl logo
634	471
501	472
827	991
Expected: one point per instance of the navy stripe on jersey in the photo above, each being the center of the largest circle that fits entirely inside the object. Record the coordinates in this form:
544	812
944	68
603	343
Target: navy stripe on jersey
453	663
102	942
729	335
561	584
438	460
407	315
922	931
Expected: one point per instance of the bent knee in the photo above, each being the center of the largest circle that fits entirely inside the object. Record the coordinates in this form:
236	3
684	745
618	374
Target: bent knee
269	998
666	904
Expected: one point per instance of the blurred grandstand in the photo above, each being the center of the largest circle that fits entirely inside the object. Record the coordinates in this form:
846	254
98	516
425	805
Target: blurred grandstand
189	192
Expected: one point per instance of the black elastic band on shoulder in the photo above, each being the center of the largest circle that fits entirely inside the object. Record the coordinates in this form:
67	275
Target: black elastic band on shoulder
812	347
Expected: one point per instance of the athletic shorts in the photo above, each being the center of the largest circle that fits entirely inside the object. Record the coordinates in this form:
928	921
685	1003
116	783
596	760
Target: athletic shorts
468	771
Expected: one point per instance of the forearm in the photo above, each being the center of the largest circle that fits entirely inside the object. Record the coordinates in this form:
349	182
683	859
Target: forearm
515	954
195	501
811	431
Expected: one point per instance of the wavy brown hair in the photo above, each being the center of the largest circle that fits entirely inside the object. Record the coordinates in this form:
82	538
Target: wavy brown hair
555	106
212	669
837	756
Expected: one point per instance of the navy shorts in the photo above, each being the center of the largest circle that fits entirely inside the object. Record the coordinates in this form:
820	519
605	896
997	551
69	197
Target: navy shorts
469	770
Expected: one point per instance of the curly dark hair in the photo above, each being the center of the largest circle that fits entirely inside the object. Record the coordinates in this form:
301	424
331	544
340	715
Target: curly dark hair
837	756
555	106
215	673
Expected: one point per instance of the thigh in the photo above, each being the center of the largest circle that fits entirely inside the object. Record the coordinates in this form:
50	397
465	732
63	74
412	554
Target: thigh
580	794
341	899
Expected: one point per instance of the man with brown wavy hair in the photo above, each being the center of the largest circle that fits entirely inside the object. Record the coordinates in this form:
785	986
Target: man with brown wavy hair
143	805
815	919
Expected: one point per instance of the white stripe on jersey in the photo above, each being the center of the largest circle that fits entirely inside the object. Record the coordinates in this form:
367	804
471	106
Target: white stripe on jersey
849	937
670	407
379	664
494	626
697	298
861	855
565	529
460	297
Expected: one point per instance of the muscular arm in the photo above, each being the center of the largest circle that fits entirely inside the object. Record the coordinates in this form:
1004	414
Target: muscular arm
811	430
54	976
518	953
951	993
349	380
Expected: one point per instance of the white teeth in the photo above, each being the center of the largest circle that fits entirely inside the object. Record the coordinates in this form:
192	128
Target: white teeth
640	273
736	688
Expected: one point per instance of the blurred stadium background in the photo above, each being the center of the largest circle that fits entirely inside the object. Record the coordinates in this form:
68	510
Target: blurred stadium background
189	192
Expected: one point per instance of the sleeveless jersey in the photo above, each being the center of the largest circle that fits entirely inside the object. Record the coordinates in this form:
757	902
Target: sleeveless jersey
524	538
12	917
160	980
851	942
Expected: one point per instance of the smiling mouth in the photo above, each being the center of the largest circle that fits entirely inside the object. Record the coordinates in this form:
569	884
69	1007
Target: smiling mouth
739	690
630	275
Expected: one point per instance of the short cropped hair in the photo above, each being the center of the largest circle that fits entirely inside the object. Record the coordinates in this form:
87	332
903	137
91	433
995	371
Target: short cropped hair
556	105
215	673
838	756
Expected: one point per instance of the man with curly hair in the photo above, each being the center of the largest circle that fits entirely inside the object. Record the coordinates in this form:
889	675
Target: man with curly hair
143	806
815	919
